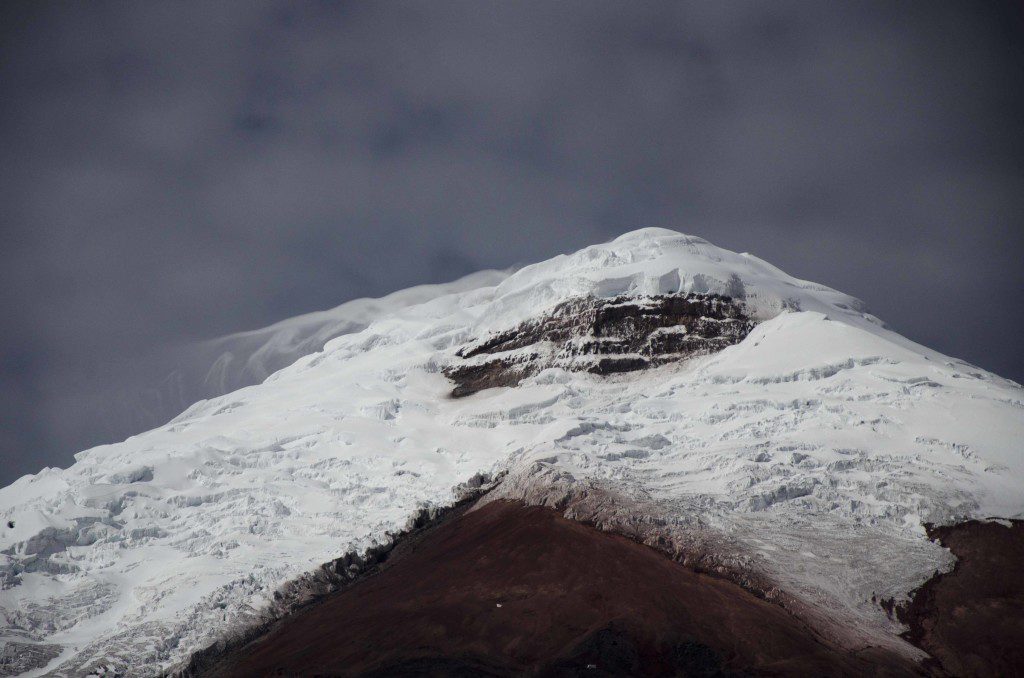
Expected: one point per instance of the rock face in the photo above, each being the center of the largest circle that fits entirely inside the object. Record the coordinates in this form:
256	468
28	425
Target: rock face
603	336
971	620
17	658
511	590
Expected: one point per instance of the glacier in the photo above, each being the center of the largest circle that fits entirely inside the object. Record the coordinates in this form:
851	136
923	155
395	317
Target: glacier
809	456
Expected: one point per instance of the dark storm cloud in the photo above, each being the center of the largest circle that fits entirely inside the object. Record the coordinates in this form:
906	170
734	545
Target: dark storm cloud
177	171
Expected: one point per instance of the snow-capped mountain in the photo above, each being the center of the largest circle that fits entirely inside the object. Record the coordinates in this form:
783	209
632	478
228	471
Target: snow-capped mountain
157	387
245	358
765	427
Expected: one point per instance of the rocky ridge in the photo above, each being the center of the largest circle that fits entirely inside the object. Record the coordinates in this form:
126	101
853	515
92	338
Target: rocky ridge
602	336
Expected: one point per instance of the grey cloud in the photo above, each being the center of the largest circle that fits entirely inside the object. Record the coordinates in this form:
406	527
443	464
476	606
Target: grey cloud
176	172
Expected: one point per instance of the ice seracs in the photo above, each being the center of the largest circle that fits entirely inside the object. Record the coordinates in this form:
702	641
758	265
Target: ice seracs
805	456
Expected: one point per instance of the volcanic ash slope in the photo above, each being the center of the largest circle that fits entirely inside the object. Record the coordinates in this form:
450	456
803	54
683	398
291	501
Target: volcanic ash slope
754	425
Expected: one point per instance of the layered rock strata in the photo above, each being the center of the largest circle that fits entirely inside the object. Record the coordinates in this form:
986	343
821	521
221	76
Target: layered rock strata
603	336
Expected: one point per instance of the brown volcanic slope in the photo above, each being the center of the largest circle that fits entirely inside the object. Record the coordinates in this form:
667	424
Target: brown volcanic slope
511	590
971	620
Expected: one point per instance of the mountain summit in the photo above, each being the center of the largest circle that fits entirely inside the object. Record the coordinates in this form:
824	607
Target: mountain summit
754	426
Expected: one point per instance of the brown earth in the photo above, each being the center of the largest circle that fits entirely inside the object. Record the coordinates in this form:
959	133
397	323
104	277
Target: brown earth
514	590
971	620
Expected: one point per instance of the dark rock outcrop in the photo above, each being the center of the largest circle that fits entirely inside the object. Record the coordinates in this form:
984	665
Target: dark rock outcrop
603	336
17	658
971	619
511	590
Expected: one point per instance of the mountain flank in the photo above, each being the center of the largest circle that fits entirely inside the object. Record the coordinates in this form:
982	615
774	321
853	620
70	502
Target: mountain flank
509	589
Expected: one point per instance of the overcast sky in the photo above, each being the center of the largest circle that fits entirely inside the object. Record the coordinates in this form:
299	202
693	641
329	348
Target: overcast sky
174	171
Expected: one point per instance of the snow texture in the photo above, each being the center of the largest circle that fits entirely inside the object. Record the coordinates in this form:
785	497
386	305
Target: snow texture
817	447
207	369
